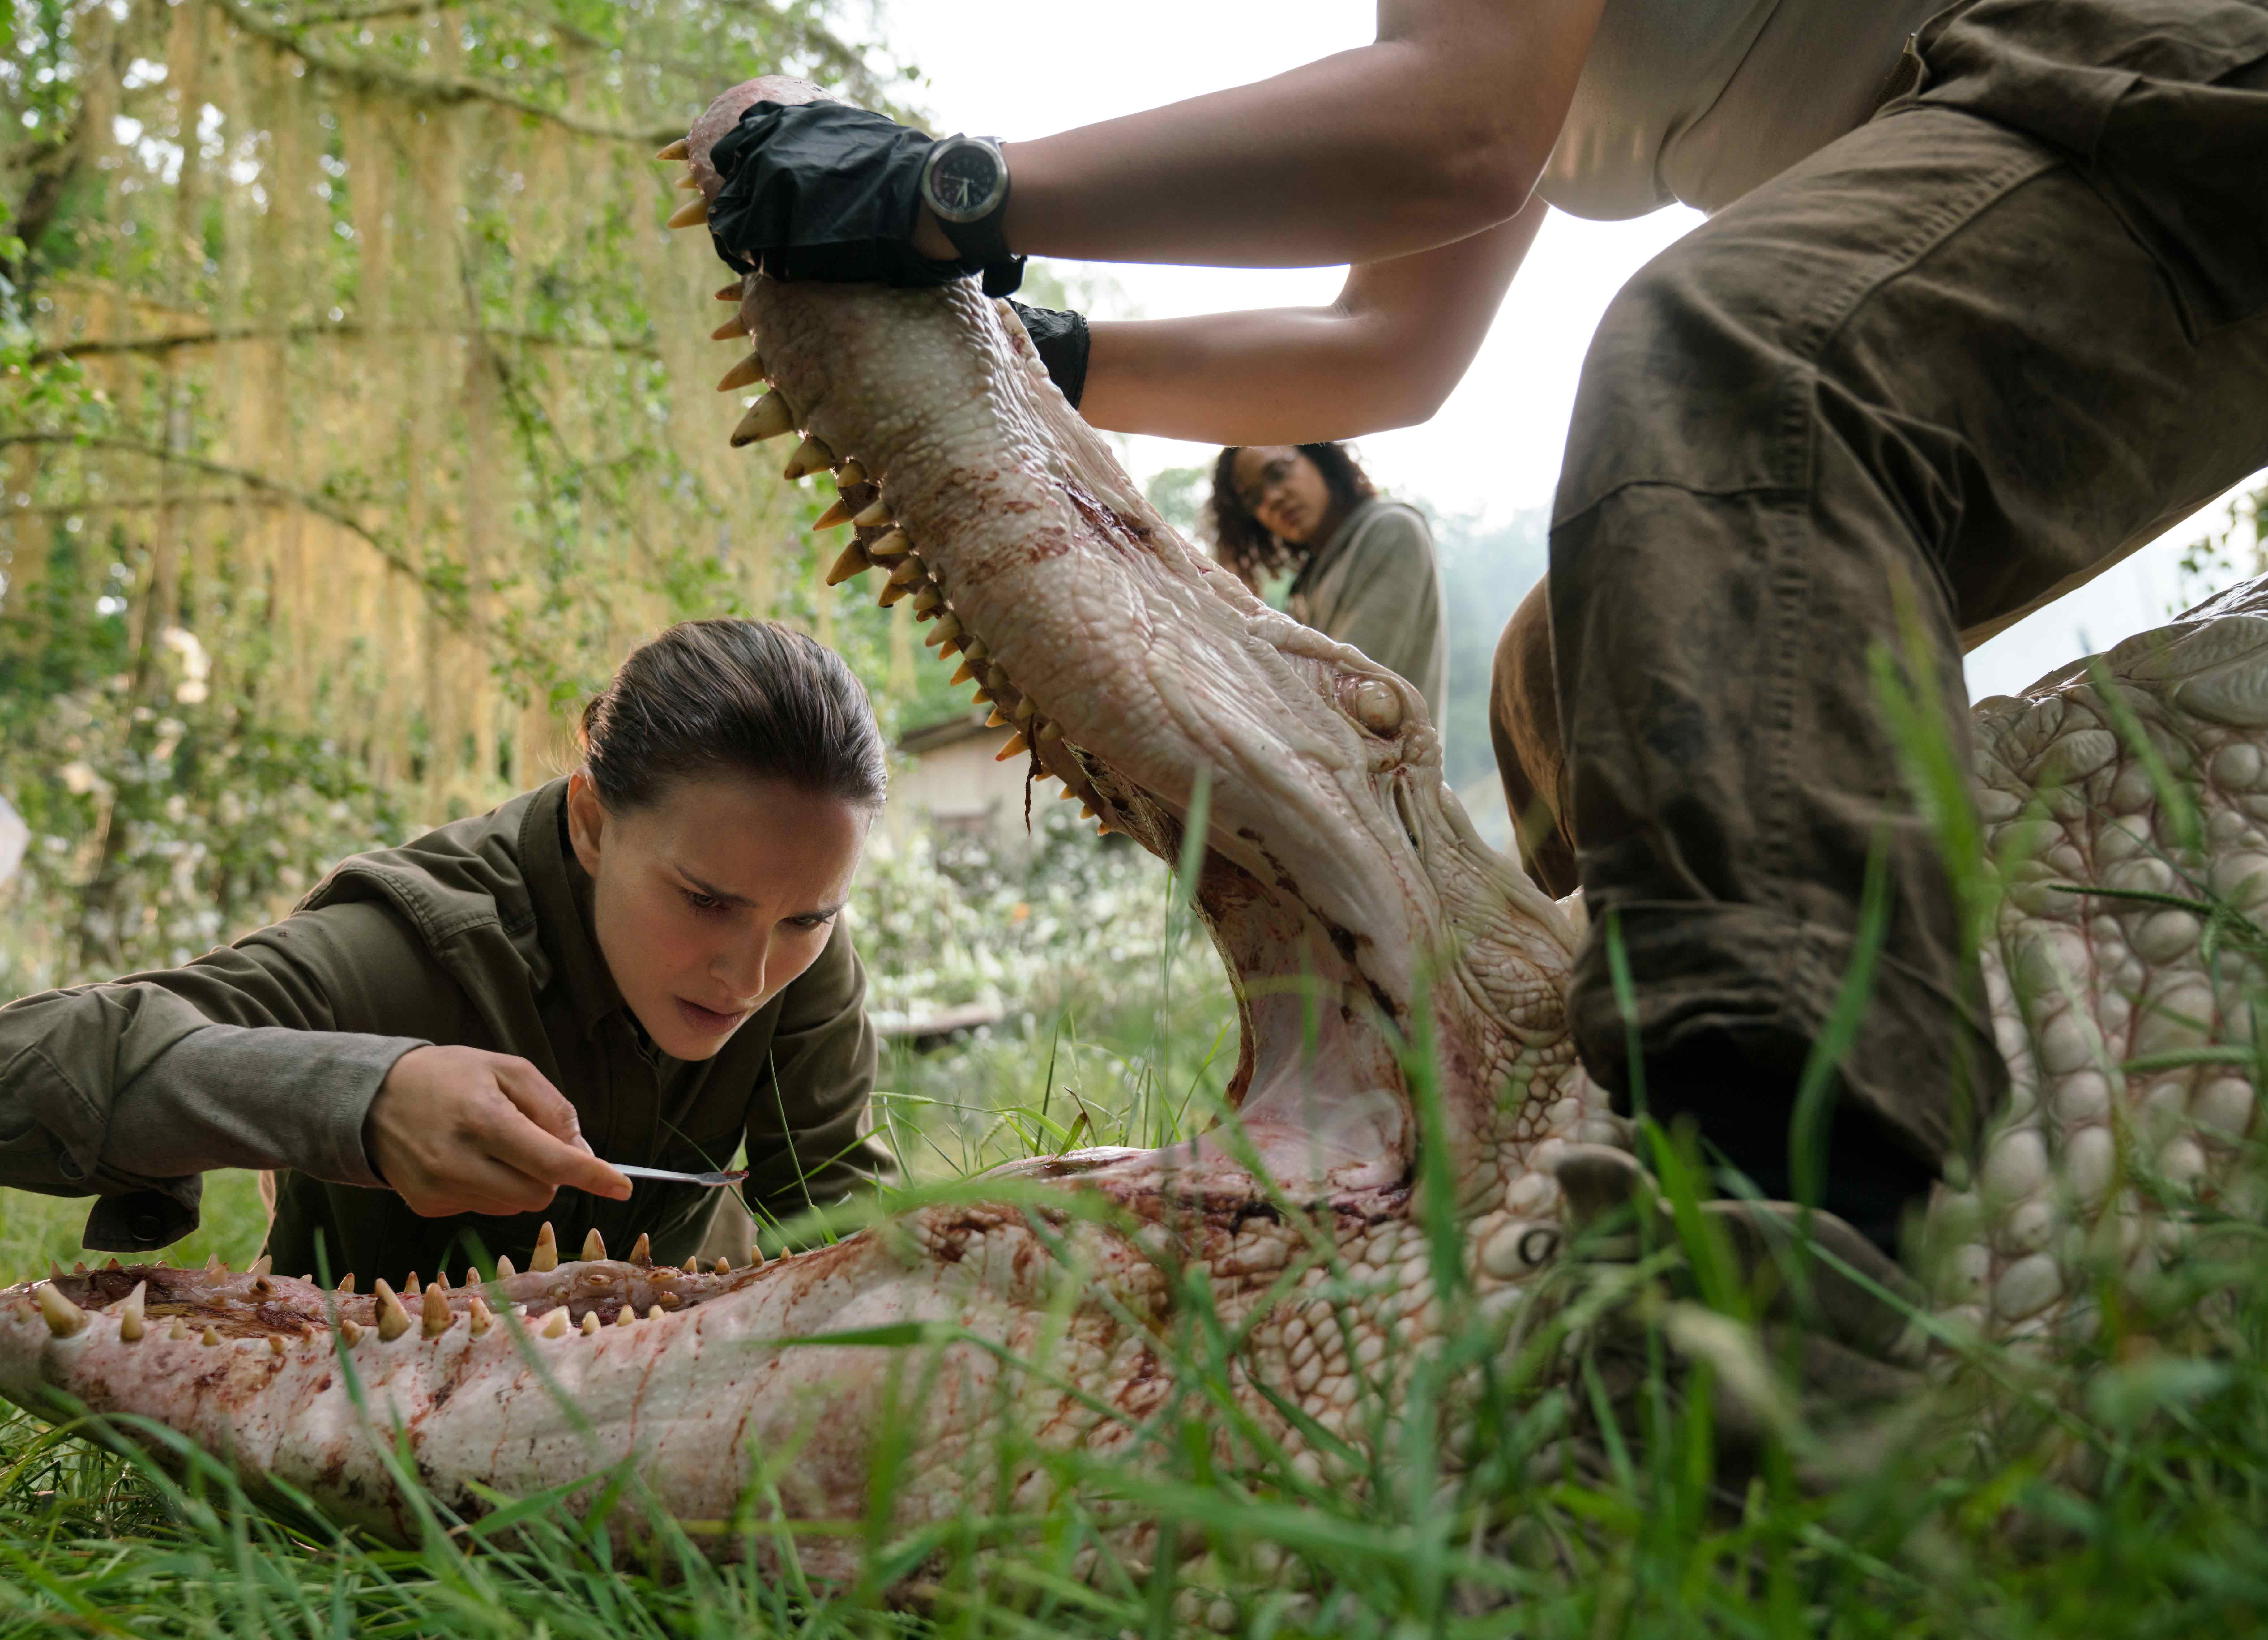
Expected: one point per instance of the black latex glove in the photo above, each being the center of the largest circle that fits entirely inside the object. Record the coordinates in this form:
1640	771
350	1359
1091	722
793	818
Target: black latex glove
819	190
1061	339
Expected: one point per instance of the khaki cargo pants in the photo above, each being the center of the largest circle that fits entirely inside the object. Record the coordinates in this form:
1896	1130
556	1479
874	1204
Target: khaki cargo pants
1961	360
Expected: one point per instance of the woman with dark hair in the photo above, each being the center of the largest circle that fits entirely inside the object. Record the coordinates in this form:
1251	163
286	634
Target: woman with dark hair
1362	566
642	961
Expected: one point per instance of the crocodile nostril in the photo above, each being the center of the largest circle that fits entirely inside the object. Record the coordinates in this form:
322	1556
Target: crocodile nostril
1377	707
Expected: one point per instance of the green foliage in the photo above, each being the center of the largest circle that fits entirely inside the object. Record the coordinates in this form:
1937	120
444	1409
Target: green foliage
1484	574
2220	558
343	353
1181	495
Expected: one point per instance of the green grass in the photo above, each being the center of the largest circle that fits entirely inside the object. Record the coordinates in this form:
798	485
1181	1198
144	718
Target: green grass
2116	1485
2121	1488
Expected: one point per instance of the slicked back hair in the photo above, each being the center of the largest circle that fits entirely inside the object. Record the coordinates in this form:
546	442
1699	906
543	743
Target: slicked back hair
732	697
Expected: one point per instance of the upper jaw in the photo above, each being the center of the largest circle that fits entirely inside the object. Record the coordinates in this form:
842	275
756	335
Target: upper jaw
1136	672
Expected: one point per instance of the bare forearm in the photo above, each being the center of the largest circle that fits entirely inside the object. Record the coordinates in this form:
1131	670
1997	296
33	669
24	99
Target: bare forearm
1384	355
1429	135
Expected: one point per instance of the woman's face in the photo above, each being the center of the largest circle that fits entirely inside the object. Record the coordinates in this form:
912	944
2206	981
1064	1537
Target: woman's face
1285	491
711	899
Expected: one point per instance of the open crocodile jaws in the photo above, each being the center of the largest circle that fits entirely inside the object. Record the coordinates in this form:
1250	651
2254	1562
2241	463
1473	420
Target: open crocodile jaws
1364	929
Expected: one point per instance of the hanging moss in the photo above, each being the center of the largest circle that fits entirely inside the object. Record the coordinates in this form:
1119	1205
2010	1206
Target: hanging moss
345	349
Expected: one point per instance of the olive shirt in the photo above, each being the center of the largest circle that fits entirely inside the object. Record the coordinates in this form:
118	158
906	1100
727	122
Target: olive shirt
478	934
1373	585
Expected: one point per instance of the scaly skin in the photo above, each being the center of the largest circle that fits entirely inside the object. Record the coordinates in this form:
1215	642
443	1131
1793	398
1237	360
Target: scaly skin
1356	913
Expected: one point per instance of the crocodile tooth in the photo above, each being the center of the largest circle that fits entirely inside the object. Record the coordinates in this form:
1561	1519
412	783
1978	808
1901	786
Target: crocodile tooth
755	1255
478	1316
263	1288
547	1250
275	1344
505	1269
689	183
441	1280
811	456
838	513
853	471
642	1249
767	418
653	1313
677	150
590	1323
1023	713
926	599
891	593
731	330
724	1265
1017	745
963	672
63	1318
853	563
346	1282
976	650
875	514
211	1340
731	292
908	574
692	211
438	1317
942	635
472	1277
393	1319
411	1290
626	1315
214	1267
750	369
555	1325
177	1332
130	1313
350	1330
595	1247
260	1266
997	718
114	1265
896	544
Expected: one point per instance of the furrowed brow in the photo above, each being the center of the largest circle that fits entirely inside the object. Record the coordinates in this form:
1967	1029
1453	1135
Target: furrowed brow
723	895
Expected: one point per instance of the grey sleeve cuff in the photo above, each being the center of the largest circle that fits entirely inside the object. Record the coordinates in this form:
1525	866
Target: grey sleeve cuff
253	1096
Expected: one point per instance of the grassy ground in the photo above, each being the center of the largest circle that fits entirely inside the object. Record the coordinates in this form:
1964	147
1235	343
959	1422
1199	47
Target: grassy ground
2119	1487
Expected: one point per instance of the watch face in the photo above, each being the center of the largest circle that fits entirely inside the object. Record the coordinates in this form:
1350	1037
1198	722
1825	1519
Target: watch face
965	181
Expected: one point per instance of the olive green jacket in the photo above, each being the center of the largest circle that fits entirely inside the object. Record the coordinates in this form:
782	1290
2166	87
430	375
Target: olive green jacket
1373	585
268	1052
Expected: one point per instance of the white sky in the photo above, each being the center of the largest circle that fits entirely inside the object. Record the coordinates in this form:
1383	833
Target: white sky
1494	448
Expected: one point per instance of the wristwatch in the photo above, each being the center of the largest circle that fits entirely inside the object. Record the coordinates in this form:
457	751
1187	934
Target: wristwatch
965	181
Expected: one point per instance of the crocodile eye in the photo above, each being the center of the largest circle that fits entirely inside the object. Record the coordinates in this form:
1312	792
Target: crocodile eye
1538	1245
1377	707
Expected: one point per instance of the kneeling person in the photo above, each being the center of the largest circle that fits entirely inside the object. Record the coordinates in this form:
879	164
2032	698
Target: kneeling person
642	961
